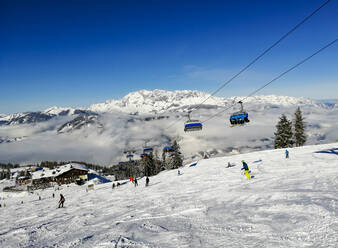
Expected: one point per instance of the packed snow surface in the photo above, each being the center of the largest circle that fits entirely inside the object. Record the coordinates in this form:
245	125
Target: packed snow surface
289	203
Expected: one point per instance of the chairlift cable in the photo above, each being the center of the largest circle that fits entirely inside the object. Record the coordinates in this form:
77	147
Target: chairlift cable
276	78
256	59
263	53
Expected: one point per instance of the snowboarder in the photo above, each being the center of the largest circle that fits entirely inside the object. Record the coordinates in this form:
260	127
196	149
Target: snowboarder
286	153
246	169
62	200
147	181
135	182
229	165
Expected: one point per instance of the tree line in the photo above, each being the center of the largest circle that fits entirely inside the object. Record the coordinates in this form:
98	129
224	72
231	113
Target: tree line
148	166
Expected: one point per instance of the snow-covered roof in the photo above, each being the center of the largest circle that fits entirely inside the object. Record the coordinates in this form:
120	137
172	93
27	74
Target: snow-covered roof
45	173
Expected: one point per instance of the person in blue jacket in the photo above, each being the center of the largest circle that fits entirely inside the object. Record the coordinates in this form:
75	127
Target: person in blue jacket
245	166
286	153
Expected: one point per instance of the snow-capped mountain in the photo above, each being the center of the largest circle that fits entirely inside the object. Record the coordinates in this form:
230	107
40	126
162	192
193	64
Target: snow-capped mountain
155	101
41	116
59	111
158	101
24	118
101	132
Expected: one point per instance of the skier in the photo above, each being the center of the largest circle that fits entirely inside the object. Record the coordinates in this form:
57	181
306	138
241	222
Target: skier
135	181
147	181
62	200
286	153
113	185
53	195
178	172
229	165
246	169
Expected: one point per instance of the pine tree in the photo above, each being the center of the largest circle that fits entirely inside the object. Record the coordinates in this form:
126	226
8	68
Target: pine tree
283	135
149	165
299	128
176	156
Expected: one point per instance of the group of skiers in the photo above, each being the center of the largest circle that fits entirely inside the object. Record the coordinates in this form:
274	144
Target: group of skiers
133	180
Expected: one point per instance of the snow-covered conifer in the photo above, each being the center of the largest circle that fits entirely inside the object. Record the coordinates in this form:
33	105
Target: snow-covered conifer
283	135
299	128
176	156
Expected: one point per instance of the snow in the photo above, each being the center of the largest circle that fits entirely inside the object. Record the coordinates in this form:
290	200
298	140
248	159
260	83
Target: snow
57	110
288	203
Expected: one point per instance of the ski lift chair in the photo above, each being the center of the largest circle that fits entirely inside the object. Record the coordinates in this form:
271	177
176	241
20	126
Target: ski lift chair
239	118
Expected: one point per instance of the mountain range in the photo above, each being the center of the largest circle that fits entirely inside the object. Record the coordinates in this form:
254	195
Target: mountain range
157	117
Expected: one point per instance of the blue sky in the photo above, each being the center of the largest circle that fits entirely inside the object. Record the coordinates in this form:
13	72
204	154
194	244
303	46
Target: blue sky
76	53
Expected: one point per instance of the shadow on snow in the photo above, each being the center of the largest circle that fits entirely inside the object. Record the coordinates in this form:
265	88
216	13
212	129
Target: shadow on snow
329	151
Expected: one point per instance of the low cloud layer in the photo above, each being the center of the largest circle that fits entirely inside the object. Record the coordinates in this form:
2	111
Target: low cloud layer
106	145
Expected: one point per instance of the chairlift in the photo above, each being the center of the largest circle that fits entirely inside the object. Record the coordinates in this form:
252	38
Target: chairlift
129	154
168	148
143	155
239	118
129	151
192	125
147	149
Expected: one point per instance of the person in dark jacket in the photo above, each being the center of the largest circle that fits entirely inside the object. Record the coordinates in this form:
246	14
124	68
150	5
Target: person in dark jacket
147	181
246	169
135	182
245	165
62	200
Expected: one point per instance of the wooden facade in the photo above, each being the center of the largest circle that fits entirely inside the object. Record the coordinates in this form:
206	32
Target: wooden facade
70	176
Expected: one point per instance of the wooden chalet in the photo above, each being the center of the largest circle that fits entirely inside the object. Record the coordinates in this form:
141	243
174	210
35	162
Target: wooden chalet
65	174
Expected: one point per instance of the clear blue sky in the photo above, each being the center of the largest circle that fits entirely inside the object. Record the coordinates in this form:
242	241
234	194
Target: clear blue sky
76	53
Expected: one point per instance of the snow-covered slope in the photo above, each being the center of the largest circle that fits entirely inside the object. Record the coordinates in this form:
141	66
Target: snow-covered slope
288	203
59	111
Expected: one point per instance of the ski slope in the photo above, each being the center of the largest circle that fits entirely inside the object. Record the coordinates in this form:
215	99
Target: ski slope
288	203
